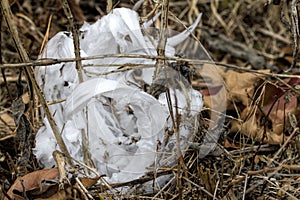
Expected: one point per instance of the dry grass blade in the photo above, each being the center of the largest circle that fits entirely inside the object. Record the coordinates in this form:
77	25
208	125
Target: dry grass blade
75	38
7	14
163	36
241	35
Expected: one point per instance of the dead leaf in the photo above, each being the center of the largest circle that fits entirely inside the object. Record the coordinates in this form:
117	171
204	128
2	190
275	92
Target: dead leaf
227	144
25	98
285	58
32	182
7	123
88	182
241	86
266	119
44	184
262	106
6	119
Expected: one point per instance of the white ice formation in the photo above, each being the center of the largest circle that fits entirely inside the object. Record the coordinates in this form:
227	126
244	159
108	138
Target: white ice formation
125	127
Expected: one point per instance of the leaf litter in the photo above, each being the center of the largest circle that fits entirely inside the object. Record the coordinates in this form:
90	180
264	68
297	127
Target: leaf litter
259	144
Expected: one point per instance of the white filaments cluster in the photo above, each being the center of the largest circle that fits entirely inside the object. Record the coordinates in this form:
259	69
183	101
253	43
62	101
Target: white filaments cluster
125	126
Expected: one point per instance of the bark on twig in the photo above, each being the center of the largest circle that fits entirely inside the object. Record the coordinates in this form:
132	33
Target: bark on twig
163	36
87	154
75	38
7	14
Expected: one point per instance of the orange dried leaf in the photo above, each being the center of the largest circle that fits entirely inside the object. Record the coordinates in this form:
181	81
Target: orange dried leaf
89	182
266	119
241	86
32	181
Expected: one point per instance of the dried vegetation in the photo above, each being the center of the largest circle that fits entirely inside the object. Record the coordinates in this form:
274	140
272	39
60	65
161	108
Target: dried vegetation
255	45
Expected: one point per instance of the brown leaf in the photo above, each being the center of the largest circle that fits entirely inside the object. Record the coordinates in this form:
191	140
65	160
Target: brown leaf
88	182
32	181
241	86
228	144
263	106
6	123
6	119
285	58
266	120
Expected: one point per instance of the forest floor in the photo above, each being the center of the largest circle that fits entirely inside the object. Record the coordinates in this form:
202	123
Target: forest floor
254	46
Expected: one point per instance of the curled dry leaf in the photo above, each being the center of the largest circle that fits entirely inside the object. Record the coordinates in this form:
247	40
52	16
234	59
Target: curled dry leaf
265	115
89	182
263	106
240	86
43	184
32	182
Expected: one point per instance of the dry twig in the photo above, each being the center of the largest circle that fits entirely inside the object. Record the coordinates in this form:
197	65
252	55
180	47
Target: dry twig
7	14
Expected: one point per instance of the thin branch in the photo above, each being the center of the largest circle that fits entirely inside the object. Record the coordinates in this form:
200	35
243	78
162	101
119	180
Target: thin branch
109	6
7	14
45	62
162	37
75	38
